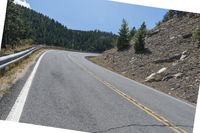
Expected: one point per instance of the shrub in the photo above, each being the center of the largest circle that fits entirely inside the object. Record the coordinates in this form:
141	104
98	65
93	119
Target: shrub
196	35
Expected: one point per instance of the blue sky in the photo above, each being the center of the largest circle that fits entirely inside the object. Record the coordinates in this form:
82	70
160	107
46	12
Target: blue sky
97	14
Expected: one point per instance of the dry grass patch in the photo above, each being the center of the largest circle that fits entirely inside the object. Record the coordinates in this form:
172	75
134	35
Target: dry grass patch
12	73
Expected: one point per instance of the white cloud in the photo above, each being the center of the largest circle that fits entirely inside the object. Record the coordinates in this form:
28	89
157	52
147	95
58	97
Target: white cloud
22	3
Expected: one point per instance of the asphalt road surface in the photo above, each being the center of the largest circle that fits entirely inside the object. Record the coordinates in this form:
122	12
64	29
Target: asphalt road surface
68	91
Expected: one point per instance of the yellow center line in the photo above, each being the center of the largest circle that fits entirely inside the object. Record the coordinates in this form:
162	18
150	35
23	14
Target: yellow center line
156	116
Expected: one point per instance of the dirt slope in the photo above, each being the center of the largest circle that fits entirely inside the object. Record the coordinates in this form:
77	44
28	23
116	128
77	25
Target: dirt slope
172	59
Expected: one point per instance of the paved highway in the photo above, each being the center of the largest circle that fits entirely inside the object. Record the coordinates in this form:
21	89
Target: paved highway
65	90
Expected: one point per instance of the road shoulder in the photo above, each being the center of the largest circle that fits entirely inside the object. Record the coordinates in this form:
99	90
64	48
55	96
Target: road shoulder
20	73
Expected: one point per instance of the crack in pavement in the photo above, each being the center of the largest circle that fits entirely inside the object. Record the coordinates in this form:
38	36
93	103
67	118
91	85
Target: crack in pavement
137	125
156	116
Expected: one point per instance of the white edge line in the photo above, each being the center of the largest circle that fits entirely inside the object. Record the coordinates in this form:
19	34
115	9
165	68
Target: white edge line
17	108
162	93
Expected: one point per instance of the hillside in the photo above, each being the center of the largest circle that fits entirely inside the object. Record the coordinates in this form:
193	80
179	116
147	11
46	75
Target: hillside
171	62
24	25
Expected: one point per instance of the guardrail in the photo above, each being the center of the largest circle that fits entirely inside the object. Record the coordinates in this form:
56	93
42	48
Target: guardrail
13	58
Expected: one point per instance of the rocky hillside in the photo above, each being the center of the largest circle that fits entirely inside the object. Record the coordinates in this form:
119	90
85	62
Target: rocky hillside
171	62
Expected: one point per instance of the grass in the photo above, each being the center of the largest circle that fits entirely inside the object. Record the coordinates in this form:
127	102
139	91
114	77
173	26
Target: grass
92	58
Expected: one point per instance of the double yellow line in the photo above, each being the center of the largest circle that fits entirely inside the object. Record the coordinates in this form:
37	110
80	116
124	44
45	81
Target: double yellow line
158	117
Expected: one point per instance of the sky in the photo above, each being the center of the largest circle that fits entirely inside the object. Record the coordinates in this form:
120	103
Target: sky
103	15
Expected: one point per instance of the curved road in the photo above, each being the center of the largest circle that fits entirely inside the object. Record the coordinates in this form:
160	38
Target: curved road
68	91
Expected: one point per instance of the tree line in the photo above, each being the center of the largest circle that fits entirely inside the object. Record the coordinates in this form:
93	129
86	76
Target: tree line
23	25
174	14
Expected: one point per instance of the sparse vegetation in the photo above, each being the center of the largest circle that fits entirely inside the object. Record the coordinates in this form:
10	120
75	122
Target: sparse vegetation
178	55
196	35
170	15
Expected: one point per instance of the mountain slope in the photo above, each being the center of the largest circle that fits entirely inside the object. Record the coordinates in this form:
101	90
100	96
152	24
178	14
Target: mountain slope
171	62
26	24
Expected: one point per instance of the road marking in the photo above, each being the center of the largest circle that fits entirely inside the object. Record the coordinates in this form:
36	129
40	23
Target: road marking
17	108
152	89
136	103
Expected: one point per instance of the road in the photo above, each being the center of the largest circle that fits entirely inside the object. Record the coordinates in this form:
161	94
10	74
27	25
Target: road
68	91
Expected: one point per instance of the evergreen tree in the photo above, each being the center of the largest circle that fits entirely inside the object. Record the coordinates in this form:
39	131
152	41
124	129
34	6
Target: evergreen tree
139	39
132	33
123	39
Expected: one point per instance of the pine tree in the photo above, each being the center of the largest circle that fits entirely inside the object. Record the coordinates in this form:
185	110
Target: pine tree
132	33
123	39
139	39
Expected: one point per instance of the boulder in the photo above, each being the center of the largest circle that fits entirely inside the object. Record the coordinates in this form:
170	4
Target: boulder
184	52
162	70
124	72
172	89
178	75
156	76
184	55
187	35
171	38
150	78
